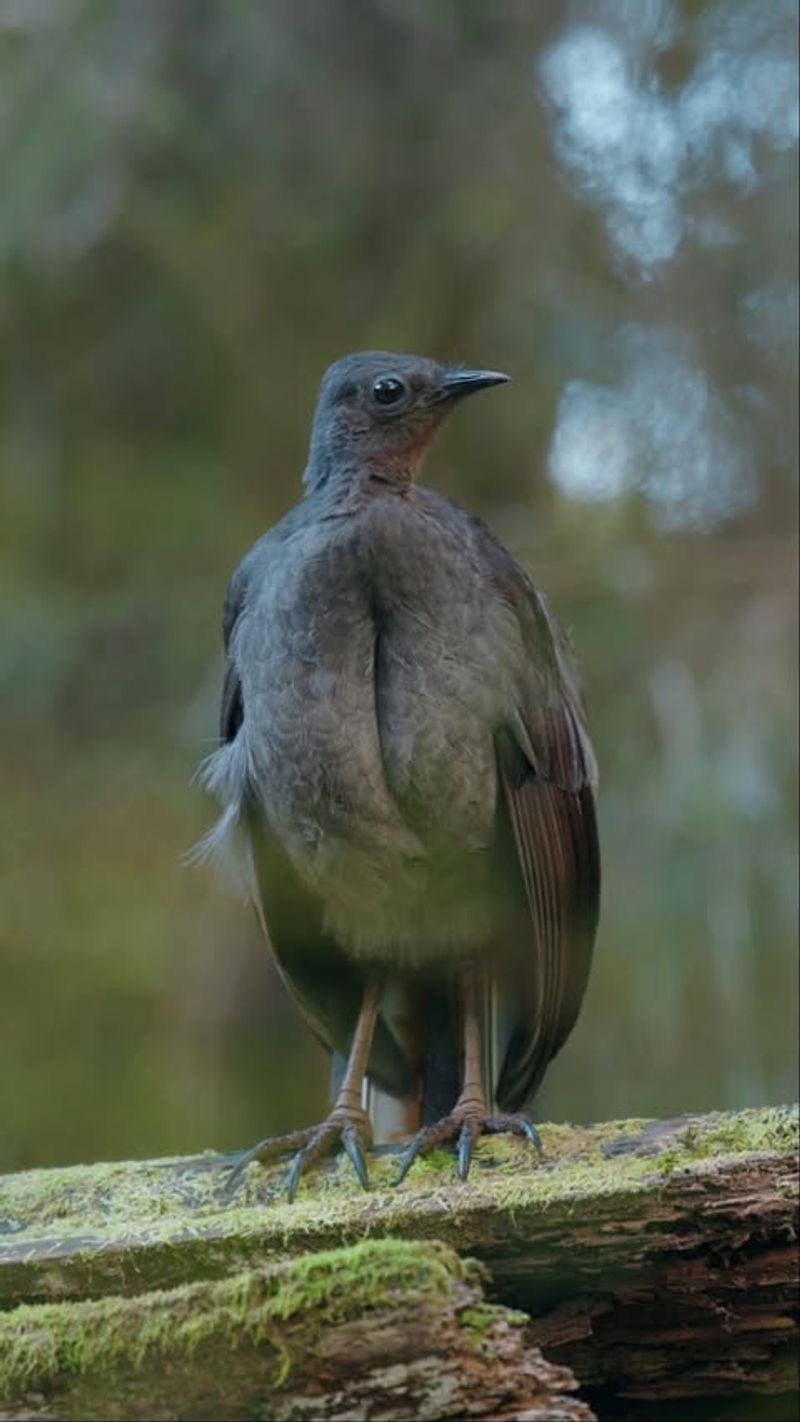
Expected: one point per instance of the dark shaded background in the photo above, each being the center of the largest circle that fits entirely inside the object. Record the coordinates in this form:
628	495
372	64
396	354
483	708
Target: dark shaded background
203	205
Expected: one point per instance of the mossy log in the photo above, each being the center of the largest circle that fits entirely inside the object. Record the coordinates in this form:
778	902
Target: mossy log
386	1329
656	1260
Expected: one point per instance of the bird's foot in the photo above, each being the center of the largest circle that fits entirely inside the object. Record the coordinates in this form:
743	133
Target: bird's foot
347	1126
465	1124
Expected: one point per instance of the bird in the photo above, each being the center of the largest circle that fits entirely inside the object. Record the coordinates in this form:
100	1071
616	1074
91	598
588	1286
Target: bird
406	781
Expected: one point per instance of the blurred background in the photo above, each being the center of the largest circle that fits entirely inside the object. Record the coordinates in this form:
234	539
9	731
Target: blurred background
202	206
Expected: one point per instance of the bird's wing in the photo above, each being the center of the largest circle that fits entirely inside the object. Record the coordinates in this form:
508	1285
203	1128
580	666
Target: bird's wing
325	985
231	711
548	775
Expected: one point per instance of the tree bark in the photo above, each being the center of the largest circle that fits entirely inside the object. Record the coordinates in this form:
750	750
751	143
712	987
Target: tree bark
384	1329
655	1260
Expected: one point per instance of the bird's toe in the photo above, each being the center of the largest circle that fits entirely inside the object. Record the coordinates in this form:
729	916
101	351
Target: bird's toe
465	1128
517	1125
350	1129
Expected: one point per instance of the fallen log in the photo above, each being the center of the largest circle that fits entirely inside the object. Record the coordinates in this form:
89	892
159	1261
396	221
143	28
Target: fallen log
385	1328
656	1260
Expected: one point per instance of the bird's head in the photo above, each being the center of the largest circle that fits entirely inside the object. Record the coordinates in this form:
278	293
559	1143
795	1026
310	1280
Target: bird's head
377	413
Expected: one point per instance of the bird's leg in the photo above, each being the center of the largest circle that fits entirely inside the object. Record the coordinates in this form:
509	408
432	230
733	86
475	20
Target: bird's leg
348	1123
470	1117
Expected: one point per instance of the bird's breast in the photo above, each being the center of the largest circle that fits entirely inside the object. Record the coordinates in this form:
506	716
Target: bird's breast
442	663
370	703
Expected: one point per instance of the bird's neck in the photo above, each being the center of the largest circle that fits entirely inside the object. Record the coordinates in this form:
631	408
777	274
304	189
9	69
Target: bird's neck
338	484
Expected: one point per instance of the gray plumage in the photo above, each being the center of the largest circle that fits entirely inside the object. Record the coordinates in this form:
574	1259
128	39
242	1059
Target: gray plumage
405	771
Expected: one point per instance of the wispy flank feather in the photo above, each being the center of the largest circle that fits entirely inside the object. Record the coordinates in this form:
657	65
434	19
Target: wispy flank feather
225	774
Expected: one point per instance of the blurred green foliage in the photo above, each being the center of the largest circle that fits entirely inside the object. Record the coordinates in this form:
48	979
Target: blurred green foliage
203	205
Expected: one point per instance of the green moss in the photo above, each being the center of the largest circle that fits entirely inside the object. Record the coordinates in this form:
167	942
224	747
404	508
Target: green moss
767	1130
478	1320
108	1195
283	1308
89	1231
482	1318
773	1129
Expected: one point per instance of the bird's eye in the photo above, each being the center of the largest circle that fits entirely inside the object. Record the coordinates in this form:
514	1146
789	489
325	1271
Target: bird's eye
388	389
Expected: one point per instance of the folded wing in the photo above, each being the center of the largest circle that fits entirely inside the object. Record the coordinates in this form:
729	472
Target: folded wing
548	774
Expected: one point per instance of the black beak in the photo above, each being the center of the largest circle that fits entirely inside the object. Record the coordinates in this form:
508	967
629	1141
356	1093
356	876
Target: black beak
466	382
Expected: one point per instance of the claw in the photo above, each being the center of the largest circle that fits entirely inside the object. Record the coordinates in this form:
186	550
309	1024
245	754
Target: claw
427	1139
298	1166
410	1156
517	1125
466	1145
308	1146
533	1136
262	1151
234	1179
269	1149
352	1144
465	1127
322	1140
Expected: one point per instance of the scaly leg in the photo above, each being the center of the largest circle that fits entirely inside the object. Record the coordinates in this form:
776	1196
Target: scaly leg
348	1124
470	1116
